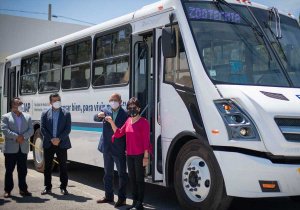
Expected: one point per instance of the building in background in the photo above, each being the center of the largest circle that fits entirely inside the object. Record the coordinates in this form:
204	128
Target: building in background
20	33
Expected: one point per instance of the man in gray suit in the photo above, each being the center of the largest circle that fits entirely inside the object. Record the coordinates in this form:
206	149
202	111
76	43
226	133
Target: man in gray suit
17	129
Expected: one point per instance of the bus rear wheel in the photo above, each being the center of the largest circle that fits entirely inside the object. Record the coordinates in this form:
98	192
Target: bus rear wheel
38	151
198	179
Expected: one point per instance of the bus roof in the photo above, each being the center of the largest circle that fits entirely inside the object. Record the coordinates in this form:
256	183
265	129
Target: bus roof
145	11
110	24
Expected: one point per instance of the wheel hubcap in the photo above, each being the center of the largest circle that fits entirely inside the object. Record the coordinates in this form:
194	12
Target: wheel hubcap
196	179
39	157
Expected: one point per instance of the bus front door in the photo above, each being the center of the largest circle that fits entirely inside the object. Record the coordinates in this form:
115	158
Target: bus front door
144	86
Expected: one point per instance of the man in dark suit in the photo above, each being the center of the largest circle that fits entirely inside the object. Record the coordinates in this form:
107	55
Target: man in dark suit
17	129
113	153
55	129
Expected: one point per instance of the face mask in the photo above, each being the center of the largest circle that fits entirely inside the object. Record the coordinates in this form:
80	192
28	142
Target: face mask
21	108
114	104
133	112
56	105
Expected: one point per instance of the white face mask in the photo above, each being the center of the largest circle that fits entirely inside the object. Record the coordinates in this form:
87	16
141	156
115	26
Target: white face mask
114	104
56	105
21	108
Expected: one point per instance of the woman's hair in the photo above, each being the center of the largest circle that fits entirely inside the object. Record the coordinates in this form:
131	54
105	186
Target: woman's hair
133	101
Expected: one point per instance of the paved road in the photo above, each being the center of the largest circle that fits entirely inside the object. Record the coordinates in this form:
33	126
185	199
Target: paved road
85	187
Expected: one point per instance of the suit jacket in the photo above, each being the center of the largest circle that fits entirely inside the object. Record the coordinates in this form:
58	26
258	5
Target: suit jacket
105	144
10	130
63	128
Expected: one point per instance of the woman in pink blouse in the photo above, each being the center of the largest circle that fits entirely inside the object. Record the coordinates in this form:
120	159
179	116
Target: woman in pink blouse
137	131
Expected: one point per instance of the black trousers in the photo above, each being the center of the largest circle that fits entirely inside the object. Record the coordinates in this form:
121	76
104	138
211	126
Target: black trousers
62	160
11	160
136	176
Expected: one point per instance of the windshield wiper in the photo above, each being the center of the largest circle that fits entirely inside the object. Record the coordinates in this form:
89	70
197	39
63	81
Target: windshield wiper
255	29
245	19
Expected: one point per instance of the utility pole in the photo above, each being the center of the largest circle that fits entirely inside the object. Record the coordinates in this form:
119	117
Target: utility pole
49	12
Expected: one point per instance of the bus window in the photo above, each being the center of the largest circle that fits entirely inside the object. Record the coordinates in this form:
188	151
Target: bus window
28	79
176	69
76	70
111	64
50	65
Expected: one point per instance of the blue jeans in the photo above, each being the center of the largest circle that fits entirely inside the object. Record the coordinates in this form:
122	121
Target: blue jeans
120	162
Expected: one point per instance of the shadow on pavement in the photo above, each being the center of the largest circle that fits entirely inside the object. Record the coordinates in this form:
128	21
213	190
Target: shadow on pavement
70	197
85	174
2	201
31	199
93	177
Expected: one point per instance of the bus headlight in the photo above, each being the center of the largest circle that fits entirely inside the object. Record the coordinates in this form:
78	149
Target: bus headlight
238	123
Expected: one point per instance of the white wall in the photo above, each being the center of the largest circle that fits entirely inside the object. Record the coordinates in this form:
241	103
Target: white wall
20	33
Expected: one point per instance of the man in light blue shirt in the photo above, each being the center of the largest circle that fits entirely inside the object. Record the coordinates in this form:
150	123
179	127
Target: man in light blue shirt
55	115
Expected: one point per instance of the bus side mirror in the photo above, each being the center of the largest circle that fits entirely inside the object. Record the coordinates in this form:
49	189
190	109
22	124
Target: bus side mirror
168	42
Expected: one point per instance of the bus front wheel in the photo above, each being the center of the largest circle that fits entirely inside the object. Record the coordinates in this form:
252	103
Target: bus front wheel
38	155
198	180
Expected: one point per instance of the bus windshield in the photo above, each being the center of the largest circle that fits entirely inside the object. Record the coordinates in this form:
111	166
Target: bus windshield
233	48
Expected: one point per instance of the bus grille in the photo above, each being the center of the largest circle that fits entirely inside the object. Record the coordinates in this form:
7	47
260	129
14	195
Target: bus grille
290	128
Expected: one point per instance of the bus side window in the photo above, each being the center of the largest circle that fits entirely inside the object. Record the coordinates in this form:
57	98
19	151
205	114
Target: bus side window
76	69
111	61
176	70
50	65
5	85
28	78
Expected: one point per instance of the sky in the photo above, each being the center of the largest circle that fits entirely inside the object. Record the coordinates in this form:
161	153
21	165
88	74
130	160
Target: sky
89	12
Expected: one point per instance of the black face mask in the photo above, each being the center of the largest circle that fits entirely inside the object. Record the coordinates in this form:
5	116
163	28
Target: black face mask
133	112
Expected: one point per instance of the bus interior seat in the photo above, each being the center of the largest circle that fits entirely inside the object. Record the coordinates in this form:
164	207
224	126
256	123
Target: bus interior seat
114	78
99	81
78	79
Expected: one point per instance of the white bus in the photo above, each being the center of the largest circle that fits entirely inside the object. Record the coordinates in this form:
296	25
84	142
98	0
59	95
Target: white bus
219	82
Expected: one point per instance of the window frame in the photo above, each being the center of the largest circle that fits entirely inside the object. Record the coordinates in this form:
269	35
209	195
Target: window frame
120	56
22	75
50	70
88	38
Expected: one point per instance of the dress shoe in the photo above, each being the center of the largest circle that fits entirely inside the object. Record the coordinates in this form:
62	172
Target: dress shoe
138	206
46	191
105	200
120	202
132	206
25	193
64	191
6	195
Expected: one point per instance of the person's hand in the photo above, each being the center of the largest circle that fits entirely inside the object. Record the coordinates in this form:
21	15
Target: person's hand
108	119
101	115
55	141
20	139
145	162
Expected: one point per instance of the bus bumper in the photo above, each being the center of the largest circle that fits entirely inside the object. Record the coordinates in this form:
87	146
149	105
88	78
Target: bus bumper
244	174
